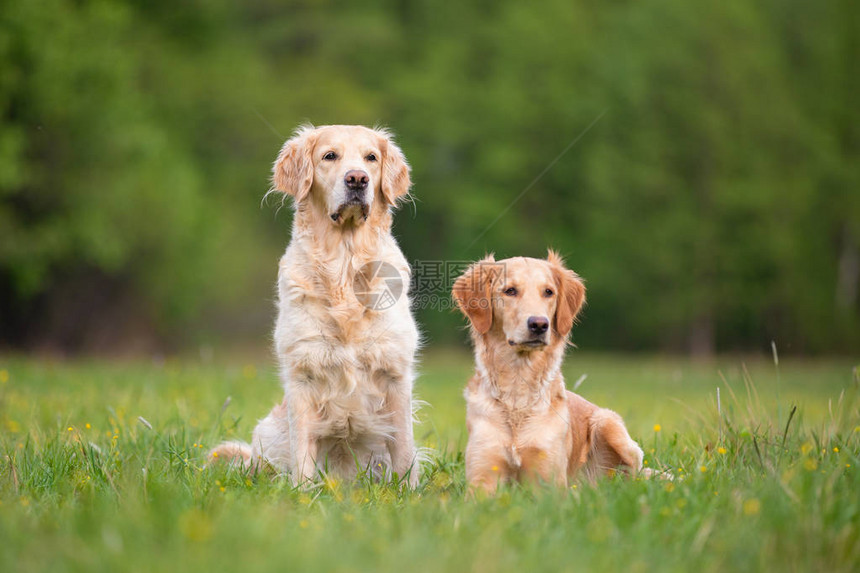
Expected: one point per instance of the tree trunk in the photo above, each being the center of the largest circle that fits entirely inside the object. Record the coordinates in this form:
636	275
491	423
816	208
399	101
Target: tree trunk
849	273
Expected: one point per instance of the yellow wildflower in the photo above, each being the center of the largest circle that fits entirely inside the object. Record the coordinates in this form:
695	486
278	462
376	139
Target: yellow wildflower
752	506
657	427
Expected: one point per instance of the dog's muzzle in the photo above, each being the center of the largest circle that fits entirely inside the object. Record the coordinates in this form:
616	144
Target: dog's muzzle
537	327
355	204
532	343
356	180
354	207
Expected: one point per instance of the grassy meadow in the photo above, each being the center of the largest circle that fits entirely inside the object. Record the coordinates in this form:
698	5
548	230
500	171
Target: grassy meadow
102	469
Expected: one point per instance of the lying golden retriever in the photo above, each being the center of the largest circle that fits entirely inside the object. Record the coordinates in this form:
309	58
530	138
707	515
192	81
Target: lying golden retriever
346	355
522	422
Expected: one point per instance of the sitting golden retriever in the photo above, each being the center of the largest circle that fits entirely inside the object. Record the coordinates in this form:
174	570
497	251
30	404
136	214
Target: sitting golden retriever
346	355
522	422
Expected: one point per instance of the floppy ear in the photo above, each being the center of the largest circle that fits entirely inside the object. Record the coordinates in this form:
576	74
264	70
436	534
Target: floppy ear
473	296
395	170
293	172
571	294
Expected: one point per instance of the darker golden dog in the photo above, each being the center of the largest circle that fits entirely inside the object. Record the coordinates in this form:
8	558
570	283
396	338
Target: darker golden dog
522	422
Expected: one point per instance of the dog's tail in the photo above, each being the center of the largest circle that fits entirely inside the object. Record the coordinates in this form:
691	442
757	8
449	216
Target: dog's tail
234	452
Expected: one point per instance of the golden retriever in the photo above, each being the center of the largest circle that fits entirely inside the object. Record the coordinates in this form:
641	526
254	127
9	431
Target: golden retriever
346	363
523	424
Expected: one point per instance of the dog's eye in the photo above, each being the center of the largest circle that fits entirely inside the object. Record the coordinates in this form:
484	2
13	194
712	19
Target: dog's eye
330	156
511	291
371	157
548	292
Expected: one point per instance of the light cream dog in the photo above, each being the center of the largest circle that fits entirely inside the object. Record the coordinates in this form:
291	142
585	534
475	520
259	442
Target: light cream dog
522	422
344	337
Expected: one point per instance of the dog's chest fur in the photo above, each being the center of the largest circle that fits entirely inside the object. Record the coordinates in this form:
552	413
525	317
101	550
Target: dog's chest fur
524	402
528	427
344	357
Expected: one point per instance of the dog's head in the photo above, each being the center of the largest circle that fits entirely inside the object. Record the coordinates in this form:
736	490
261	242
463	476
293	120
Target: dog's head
532	303
344	171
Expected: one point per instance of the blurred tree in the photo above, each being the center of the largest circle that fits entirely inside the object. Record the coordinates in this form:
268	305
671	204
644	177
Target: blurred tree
697	163
698	168
107	229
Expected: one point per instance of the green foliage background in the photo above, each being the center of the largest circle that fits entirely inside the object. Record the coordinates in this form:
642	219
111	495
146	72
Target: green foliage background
710	195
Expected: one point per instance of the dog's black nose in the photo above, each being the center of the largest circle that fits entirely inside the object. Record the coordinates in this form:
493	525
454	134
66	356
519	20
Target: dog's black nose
538	324
356	180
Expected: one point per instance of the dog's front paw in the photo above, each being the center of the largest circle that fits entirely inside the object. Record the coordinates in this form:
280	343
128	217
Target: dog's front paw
414	477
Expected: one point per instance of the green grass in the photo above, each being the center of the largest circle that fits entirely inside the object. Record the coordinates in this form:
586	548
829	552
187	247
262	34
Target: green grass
85	485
